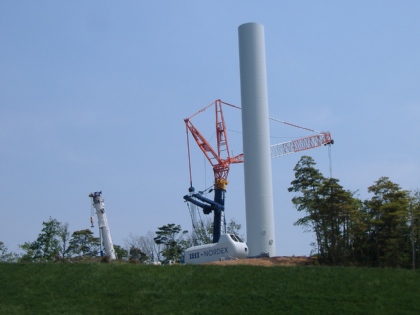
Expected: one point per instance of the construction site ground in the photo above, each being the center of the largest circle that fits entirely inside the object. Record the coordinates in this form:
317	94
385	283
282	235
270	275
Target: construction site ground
269	261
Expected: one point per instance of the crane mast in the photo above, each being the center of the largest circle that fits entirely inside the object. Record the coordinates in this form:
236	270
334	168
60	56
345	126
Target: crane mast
99	205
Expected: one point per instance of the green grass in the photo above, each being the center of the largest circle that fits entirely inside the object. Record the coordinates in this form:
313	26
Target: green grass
95	288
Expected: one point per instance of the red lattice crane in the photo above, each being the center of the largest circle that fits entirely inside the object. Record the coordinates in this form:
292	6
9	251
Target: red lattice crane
220	159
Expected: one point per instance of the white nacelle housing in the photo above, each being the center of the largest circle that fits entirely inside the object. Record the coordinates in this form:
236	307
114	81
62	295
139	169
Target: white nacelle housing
230	246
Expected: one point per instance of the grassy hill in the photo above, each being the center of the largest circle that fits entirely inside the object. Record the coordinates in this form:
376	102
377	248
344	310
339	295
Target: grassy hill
116	288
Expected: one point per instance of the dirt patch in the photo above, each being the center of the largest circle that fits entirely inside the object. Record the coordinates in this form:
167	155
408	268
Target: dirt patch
269	261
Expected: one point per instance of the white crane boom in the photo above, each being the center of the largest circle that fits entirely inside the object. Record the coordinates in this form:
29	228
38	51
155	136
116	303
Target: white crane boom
98	203
323	138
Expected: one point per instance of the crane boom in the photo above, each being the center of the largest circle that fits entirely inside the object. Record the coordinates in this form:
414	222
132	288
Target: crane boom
220	160
280	149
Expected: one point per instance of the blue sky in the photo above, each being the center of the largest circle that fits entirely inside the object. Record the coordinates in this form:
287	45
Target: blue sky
93	95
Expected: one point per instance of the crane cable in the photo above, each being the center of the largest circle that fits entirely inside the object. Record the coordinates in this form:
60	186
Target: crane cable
330	159
189	157
198	222
293	125
92	218
192	209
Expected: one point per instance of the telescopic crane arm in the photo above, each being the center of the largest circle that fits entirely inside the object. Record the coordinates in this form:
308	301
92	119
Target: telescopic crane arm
98	203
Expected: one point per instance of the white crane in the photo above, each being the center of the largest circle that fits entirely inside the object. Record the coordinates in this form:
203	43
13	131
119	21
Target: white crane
98	203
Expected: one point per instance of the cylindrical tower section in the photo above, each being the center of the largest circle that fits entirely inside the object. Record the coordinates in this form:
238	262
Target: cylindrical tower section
256	140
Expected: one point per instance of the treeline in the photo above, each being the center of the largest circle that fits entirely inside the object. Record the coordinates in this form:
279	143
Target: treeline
55	242
382	231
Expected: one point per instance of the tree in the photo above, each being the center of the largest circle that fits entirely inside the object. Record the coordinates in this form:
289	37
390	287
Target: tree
137	254
47	245
29	252
330	211
202	234
336	216
145	244
120	252
3	250
64	237
357	235
307	182
83	243
234	227
381	231
415	228
389	214
171	237
6	256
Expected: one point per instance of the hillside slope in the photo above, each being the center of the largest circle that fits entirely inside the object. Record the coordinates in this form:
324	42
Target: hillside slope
121	288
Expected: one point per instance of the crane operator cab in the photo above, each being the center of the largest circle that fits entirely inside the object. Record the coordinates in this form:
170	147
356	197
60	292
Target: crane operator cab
229	246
